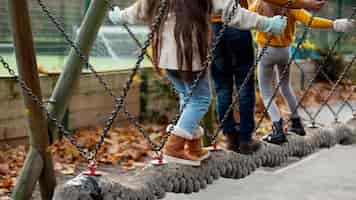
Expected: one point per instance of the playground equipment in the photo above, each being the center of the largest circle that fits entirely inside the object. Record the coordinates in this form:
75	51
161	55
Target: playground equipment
153	182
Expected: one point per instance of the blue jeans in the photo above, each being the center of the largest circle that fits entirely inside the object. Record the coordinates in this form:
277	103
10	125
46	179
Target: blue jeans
234	59
198	104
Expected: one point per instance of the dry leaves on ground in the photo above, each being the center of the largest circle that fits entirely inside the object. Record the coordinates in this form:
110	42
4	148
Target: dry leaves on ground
127	148
11	160
124	147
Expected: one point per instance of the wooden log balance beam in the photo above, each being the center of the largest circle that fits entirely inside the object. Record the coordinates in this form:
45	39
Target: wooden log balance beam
154	182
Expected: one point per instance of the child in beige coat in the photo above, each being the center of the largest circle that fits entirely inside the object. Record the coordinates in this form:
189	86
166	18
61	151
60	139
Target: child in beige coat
181	47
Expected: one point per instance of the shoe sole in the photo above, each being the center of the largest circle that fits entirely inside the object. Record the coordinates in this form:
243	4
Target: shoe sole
205	157
295	132
276	142
171	159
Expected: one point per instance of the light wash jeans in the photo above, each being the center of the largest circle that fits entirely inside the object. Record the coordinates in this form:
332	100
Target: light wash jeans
198	104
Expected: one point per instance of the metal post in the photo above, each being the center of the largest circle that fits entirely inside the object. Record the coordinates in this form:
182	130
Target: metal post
339	14
86	6
68	80
38	164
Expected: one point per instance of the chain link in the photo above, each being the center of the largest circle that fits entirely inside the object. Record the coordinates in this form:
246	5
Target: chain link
333	90
207	63
320	67
85	153
91	155
249	75
195	82
129	116
345	103
286	70
119	102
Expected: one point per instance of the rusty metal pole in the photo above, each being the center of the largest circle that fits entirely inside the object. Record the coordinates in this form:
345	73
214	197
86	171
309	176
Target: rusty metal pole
38	165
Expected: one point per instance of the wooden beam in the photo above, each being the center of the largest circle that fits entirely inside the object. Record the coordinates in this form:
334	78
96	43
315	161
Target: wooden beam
32	168
38	134
68	81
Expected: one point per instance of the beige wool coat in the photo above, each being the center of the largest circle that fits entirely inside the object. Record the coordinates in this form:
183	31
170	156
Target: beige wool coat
243	19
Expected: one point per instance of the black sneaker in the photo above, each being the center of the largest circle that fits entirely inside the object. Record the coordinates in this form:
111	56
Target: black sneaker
277	136
297	127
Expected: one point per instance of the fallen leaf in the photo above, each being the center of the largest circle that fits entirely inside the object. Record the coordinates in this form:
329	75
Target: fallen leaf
68	171
7	183
4	169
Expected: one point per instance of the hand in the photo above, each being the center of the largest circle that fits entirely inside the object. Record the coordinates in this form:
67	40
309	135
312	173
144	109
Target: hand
314	5
275	24
114	15
344	25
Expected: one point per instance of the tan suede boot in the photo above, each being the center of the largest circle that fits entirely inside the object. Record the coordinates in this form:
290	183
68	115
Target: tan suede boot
195	148
174	152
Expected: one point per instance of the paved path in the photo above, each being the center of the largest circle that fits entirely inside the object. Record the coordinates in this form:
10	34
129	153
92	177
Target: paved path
329	174
326	175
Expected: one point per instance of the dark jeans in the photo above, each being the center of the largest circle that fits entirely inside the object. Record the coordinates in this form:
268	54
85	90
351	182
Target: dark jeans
234	59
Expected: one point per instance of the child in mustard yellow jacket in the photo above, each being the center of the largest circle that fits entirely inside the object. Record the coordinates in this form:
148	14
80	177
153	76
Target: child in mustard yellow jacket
278	55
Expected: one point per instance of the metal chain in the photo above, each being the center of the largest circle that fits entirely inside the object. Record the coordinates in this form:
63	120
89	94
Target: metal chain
77	50
286	70
132	119
345	103
121	100
68	134
136	40
333	90
155	147
119	104
206	64
249	75
320	67
210	58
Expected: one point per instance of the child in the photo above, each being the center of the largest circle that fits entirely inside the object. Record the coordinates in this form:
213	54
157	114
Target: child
180	47
278	54
234	59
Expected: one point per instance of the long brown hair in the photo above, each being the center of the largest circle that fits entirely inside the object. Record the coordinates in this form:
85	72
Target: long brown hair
192	29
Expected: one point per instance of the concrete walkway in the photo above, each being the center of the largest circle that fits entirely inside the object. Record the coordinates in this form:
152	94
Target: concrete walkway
329	174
